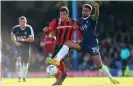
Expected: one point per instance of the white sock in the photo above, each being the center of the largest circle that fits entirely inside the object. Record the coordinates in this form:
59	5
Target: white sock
63	51
106	72
19	68
25	70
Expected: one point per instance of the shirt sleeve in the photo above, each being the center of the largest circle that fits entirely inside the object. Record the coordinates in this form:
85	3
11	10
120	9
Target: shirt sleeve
13	31
79	34
31	32
52	26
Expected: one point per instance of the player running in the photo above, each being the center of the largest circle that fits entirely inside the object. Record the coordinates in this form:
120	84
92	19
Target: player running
22	36
63	28
89	44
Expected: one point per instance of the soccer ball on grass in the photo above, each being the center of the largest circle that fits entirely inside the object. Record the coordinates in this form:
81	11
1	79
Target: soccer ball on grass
52	70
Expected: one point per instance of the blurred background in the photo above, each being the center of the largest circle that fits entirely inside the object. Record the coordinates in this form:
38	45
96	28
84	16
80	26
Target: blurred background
114	30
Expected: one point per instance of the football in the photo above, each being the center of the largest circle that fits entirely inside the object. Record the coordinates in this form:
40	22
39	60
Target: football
52	70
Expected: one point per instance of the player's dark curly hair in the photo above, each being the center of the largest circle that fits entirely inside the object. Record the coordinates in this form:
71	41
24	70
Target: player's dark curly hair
64	8
88	6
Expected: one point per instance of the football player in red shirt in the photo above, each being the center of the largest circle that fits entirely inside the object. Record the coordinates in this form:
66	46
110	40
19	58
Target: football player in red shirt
64	28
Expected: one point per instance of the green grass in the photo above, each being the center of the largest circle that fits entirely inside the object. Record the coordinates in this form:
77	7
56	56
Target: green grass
76	81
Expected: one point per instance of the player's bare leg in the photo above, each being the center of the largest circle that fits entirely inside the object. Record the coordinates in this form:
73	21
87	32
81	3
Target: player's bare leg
57	77
62	74
60	81
25	70
97	60
19	68
63	51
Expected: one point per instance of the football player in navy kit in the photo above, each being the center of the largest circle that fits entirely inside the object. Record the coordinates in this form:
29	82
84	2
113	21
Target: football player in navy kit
87	25
22	36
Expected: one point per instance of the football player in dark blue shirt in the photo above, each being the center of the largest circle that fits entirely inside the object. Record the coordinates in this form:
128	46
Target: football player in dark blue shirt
87	24
22	36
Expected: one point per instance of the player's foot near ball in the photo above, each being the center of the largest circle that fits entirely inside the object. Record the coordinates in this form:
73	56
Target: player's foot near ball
57	84
53	61
62	78
24	80
19	79
114	81
54	83
60	81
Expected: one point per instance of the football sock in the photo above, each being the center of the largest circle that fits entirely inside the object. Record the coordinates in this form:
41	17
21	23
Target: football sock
62	68
106	72
25	69
63	51
19	68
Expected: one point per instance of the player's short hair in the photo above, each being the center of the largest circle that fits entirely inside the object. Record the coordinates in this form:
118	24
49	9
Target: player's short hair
64	8
22	17
88	6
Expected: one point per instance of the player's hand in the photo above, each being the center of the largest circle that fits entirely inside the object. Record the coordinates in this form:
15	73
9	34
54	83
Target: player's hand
18	44
96	6
45	29
79	41
19	39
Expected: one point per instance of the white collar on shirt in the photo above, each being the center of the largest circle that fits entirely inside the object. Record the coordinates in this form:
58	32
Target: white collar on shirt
23	28
86	17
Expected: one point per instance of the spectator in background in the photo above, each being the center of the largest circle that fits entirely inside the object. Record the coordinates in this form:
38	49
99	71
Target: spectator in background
48	45
131	56
124	54
0	61
115	61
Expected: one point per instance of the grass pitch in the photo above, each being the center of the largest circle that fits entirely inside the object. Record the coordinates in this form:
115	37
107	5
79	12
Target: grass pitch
76	81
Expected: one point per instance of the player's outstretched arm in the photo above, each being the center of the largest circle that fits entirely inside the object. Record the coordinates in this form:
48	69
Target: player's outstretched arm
96	14
52	26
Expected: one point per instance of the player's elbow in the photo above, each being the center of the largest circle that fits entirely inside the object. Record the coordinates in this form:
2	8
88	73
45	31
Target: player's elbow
31	39
68	43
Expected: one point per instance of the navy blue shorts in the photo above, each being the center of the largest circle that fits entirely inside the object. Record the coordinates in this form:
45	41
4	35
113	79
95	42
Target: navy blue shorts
23	51
93	50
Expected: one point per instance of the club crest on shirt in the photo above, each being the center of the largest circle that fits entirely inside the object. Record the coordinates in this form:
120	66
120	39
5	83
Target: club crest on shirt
83	27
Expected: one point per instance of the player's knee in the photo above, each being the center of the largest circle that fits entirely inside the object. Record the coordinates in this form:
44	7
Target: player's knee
99	66
67	43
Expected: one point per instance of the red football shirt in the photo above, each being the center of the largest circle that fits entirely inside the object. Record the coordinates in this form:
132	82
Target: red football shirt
49	44
63	30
